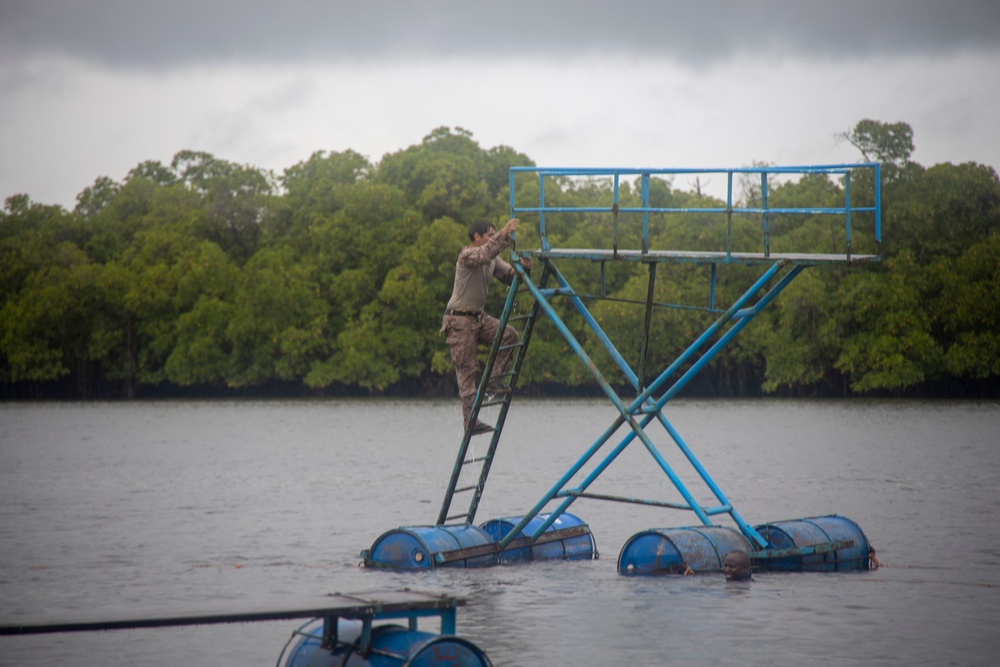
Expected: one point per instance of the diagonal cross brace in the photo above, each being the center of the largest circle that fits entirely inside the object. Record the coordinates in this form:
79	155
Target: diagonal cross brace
626	412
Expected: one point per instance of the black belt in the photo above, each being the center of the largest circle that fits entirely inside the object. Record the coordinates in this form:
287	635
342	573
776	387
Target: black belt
464	313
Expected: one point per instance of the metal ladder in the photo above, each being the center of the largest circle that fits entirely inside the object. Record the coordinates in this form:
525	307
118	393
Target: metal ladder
469	474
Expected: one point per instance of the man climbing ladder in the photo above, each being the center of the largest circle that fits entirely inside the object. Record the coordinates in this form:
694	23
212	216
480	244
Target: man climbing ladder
465	324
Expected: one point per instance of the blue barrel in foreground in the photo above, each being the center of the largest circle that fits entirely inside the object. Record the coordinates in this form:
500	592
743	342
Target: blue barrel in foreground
815	544
567	538
686	550
427	547
391	645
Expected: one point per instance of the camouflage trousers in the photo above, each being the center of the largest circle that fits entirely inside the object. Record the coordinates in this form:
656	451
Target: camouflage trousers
463	335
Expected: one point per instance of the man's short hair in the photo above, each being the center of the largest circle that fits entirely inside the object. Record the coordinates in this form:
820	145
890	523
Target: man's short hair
480	227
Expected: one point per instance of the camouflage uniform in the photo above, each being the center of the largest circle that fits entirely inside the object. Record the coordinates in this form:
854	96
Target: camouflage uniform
465	325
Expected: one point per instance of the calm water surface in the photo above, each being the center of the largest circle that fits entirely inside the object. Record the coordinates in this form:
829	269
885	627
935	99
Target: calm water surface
112	510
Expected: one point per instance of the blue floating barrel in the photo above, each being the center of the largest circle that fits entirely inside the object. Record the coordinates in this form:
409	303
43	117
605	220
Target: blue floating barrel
391	645
426	547
817	544
675	550
567	538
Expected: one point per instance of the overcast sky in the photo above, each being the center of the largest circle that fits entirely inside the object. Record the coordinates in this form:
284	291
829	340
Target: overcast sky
92	88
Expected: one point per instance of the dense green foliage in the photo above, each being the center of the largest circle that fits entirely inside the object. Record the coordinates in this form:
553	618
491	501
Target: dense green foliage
206	275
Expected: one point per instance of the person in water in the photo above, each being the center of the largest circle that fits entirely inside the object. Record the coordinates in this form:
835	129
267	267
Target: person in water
465	324
736	566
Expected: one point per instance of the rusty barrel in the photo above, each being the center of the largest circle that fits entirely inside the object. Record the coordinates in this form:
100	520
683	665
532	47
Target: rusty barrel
390	644
831	543
428	547
677	550
567	538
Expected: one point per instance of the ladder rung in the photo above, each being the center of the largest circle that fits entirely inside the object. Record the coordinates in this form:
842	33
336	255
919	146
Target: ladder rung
456	516
464	489
481	458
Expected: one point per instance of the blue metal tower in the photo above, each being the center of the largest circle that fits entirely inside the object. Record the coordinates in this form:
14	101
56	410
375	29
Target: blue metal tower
624	225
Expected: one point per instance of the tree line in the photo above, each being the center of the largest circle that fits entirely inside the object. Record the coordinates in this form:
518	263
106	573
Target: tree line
206	277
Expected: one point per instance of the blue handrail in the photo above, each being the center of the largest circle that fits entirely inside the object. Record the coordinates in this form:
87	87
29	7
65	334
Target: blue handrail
848	210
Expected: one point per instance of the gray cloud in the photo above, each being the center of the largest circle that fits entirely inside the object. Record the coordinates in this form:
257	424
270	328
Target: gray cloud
93	87
140	34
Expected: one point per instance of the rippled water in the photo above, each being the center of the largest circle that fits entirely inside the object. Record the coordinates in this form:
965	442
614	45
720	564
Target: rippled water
175	507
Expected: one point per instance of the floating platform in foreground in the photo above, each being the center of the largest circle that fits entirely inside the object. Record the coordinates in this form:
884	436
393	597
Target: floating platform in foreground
343	632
